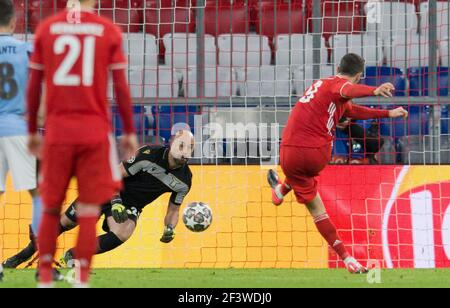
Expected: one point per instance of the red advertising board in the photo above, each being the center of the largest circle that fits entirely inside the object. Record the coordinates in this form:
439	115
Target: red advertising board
397	215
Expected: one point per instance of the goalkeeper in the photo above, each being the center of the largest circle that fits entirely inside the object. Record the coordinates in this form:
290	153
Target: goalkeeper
155	170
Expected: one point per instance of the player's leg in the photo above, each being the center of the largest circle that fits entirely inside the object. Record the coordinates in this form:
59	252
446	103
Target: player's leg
279	188
57	170
67	222
3	173
87	216
98	180
23	167
328	231
116	235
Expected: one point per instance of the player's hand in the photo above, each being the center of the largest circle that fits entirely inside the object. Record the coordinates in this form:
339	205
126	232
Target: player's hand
384	90
398	113
35	145
119	213
129	144
168	235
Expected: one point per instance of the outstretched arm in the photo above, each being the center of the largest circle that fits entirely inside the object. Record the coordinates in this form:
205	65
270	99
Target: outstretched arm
170	222
349	90
364	113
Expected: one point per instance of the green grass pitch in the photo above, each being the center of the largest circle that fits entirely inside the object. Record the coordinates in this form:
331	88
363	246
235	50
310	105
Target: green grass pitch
242	278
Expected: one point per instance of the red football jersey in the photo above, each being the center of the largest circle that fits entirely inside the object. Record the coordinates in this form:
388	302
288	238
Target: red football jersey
75	59
313	120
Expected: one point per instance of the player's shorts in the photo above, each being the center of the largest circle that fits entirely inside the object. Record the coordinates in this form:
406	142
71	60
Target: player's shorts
301	166
95	166
14	157
133	214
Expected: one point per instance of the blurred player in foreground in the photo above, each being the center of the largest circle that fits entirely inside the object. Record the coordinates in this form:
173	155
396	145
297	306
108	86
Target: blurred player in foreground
14	155
308	137
74	52
154	171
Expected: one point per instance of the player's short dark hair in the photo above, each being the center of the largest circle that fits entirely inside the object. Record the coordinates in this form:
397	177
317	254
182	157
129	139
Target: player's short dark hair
351	64
6	12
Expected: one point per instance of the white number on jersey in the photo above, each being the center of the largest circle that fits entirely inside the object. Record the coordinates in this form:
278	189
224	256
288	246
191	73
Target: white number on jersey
330	123
309	94
62	75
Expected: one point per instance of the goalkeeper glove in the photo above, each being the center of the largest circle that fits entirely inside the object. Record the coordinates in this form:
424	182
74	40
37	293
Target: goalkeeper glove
119	213
168	235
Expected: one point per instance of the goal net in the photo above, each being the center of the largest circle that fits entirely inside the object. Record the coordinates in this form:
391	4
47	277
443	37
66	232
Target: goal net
232	71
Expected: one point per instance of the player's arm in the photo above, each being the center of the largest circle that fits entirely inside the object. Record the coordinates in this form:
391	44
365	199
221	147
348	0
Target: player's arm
34	93
349	90
173	214
358	112
170	222
118	66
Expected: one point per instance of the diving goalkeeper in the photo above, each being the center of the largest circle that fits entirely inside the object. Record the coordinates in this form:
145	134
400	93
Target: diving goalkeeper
154	171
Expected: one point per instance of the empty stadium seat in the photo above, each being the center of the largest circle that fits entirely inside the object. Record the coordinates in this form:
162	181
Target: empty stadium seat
342	17
365	45
418	81
377	75
39	10
162	20
265	81
124	13
444	50
167	116
297	49
304	77
161	81
407	51
280	17
442	20
181	50
416	123
417	150
223	17
219	82
243	50
141	118
390	18
141	49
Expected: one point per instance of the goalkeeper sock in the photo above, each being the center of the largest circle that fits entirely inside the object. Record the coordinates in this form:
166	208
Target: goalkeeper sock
86	245
37	214
108	242
329	233
48	233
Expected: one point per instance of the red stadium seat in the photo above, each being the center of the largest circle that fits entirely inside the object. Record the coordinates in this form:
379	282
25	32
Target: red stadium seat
160	20
126	15
223	17
20	16
342	18
39	10
281	17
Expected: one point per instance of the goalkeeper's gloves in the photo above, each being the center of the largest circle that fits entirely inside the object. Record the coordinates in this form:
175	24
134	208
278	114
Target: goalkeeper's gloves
119	211
168	235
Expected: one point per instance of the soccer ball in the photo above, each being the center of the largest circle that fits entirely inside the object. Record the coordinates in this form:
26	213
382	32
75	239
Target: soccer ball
197	216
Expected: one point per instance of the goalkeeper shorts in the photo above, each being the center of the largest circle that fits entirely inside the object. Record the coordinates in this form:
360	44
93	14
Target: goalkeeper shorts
301	166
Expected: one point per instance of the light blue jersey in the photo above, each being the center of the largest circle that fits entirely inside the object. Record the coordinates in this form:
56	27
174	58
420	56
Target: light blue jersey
14	56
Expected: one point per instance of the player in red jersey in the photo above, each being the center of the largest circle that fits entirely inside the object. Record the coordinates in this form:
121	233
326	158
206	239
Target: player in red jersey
307	142
74	53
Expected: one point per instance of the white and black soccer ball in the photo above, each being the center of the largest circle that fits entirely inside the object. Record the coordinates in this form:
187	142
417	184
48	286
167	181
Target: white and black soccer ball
197	216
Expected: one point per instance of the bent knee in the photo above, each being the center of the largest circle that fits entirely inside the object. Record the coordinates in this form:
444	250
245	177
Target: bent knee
123	231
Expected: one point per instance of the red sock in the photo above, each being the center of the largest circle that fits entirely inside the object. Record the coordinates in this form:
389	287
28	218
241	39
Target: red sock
285	189
48	233
329	233
86	245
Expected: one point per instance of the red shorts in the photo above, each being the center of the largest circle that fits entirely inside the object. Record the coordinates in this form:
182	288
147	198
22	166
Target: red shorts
301	166
95	166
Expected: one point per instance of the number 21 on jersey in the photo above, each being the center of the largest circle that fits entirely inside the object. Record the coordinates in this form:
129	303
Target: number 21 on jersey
309	94
76	48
